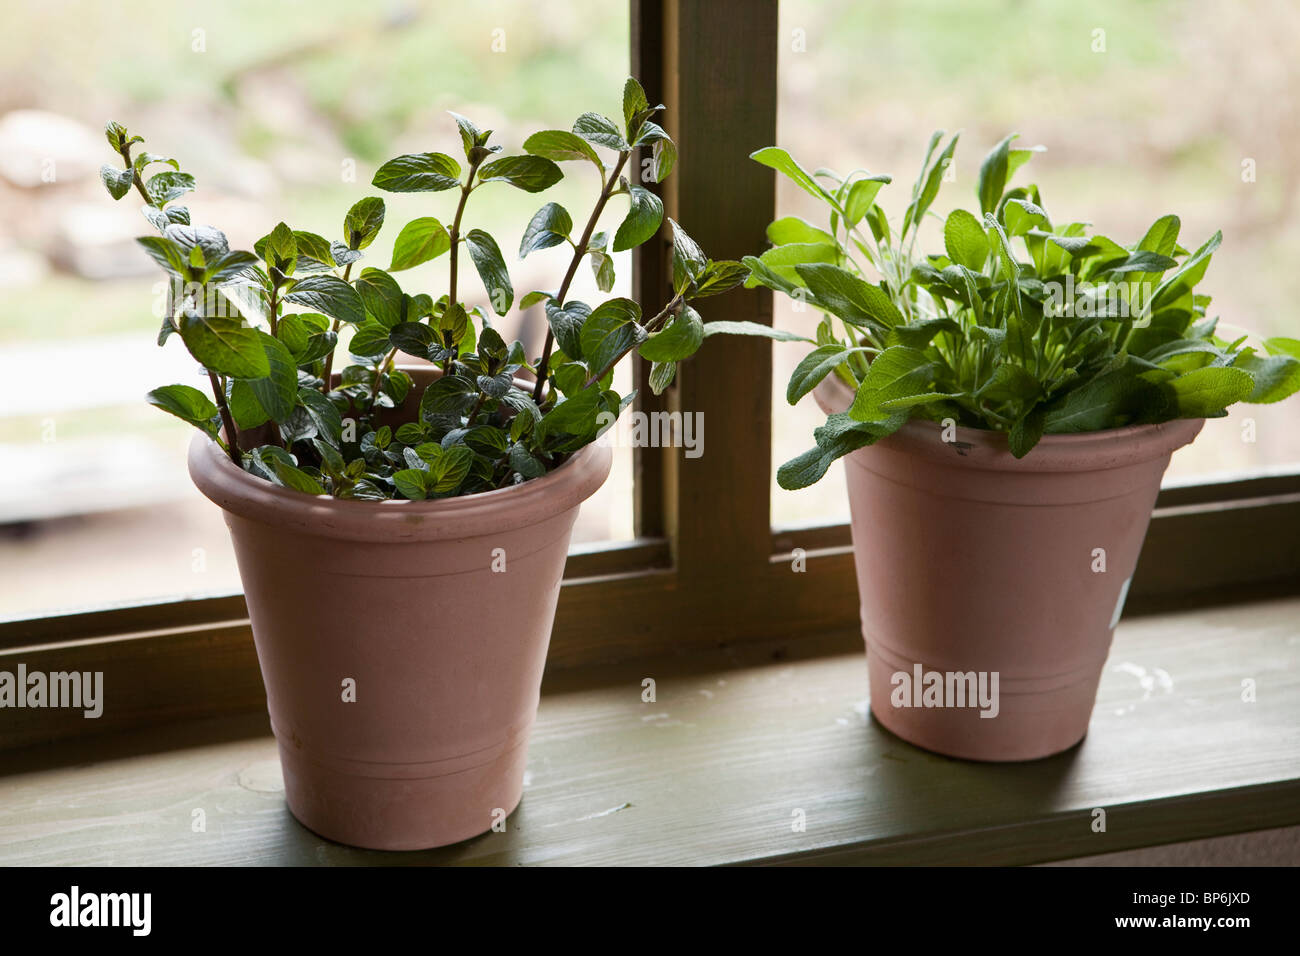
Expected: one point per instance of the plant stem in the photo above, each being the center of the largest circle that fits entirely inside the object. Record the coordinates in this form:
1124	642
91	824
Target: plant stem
454	235
273	307
652	326
667	310
135	176
219	393
329	359
383	366
453	263
482	397
579	251
218	388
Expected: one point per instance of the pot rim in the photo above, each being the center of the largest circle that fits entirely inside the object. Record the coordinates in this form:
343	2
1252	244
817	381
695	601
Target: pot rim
484	513
988	449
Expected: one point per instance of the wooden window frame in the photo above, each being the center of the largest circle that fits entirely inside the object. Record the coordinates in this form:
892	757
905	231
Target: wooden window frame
706	567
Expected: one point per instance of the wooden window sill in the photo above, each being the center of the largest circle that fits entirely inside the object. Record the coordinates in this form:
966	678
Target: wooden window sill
737	741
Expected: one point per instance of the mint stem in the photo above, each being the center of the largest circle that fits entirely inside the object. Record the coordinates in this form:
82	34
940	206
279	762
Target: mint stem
579	251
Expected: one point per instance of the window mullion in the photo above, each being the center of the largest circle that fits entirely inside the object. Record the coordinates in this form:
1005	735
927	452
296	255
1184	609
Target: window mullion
718	65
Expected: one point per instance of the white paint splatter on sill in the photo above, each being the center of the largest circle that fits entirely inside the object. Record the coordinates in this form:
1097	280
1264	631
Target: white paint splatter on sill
605	813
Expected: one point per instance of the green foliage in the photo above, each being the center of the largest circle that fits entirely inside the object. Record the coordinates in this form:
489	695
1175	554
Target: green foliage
419	241
1016	325
265	324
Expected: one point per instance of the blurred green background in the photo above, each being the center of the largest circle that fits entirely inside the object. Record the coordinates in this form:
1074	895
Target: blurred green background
1146	107
281	111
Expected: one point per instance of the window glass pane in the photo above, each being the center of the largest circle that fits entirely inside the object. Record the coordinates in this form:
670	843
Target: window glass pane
1145	109
282	111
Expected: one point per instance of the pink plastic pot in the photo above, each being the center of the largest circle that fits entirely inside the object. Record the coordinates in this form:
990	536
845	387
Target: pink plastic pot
400	600
971	562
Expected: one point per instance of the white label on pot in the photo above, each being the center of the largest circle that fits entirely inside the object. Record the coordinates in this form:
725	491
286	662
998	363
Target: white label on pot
1119	605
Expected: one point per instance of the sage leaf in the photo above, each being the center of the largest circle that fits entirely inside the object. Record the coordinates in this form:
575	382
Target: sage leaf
861	195
1188	275
1021	215
896	372
814	367
1104	402
782	260
1026	432
994	171
753	328
1206	392
792	229
778	159
929	186
849	297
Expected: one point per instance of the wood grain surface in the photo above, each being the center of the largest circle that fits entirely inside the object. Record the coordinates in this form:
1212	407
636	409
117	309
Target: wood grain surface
737	741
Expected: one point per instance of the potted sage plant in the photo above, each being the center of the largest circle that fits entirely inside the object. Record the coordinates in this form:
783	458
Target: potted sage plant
401	532
1007	404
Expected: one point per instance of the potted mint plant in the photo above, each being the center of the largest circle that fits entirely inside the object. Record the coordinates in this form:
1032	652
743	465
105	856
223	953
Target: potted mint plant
401	532
1007	405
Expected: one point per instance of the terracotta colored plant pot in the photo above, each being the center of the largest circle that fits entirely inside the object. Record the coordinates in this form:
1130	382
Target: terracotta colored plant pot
971	561
402	600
